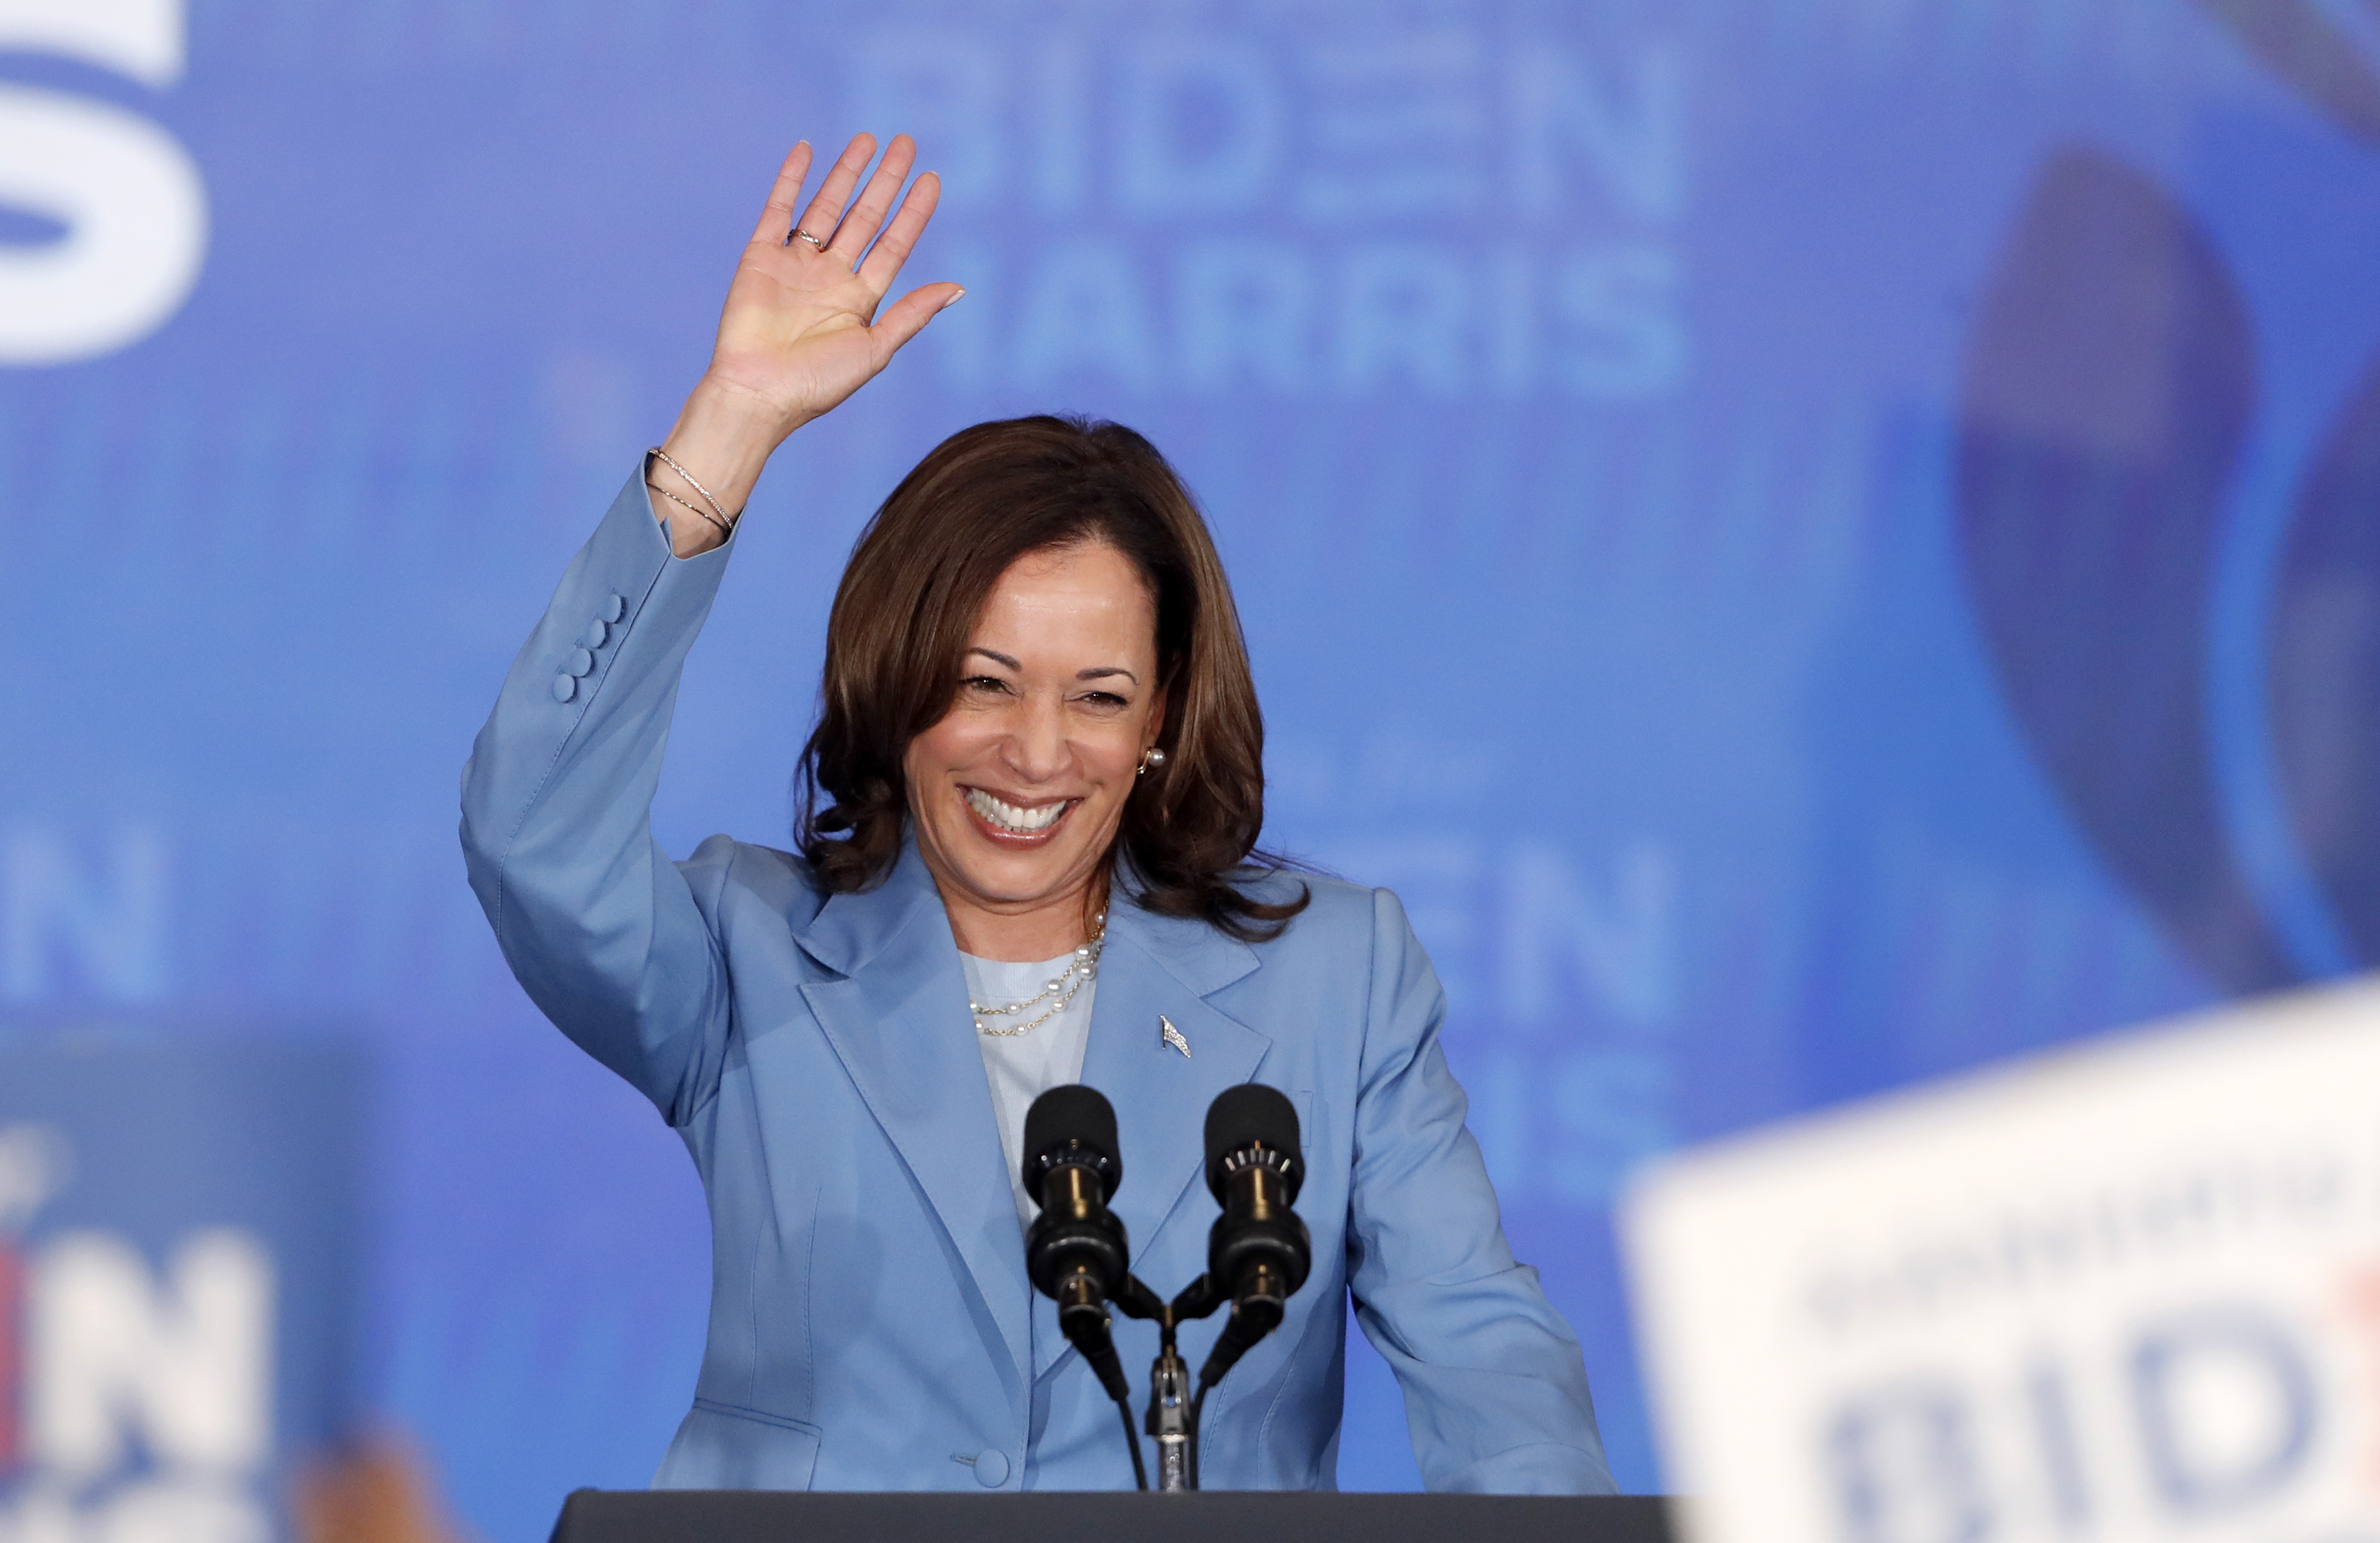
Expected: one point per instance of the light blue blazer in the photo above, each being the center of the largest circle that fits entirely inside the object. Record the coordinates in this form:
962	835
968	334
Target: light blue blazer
872	1327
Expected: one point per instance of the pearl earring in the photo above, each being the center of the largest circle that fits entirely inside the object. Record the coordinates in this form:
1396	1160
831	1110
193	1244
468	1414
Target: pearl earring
1152	756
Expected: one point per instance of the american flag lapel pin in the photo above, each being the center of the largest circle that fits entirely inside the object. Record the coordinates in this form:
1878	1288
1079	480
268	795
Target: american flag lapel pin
1169	1034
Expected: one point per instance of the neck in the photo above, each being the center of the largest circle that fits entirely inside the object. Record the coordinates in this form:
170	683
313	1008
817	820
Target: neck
1023	934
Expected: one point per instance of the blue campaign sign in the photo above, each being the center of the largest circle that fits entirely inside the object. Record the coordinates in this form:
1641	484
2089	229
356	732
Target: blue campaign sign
179	1262
1815	543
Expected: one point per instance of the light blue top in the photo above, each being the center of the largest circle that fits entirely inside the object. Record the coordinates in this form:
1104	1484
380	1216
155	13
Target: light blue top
871	1326
1021	1067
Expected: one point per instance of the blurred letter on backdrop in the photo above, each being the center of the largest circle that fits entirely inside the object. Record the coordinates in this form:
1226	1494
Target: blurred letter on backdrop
126	193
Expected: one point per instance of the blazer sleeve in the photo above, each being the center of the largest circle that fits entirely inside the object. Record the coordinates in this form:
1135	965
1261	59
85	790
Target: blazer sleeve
1495	1385
599	925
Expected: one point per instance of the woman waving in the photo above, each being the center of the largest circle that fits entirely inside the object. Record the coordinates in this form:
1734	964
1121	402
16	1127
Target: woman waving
1029	859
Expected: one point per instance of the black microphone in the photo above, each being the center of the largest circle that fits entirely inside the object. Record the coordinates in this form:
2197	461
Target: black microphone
1259	1252
1075	1252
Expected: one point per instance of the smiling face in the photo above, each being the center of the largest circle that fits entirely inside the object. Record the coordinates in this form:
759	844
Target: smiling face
1015	795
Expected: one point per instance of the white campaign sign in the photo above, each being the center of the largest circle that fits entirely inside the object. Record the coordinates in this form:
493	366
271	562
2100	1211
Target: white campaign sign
2129	1292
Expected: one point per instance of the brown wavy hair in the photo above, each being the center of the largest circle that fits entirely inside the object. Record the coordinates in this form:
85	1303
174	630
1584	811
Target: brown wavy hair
907	608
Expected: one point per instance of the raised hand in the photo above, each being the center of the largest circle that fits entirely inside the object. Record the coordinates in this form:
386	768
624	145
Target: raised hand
801	330
796	330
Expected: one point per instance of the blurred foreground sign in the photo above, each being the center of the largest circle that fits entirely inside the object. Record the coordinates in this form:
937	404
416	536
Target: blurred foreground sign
177	1257
2127	1293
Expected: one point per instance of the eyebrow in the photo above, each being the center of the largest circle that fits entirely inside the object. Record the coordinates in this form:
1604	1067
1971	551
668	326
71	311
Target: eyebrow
1097	673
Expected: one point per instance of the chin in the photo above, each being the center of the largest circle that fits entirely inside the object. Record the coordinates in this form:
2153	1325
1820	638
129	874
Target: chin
1015	877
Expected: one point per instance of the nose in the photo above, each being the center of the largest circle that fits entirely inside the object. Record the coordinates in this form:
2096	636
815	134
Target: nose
1037	741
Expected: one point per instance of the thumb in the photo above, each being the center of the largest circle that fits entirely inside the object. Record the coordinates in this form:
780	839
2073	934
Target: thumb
909	315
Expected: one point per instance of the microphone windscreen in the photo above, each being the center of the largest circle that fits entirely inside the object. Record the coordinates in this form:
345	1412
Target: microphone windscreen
1075	1114
1241	1115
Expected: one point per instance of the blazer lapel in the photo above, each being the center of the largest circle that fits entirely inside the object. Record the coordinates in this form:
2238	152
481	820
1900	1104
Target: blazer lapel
1159	967
899	1022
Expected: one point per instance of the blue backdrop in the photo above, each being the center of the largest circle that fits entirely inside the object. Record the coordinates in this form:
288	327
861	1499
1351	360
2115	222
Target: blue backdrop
1815	542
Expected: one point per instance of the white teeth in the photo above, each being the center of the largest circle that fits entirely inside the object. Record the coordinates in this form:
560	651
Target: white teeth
1010	818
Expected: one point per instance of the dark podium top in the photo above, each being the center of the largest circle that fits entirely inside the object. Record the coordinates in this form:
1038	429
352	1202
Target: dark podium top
1217	1517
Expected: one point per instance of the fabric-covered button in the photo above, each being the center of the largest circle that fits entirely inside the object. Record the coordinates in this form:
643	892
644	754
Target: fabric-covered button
991	1467
581	661
565	688
612	609
597	631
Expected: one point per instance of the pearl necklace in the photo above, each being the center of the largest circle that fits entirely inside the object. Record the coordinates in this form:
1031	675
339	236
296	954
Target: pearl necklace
1082	967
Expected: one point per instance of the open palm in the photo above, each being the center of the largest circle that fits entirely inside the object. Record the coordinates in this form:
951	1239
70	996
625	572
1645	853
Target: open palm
799	332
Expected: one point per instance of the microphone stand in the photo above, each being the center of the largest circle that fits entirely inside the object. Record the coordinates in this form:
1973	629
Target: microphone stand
1172	1409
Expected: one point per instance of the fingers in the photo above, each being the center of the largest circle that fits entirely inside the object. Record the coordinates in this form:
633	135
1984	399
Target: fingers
861	225
825	212
777	216
909	317
884	260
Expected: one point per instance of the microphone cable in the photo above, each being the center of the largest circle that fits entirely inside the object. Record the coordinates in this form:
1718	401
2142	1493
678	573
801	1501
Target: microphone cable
1132	1440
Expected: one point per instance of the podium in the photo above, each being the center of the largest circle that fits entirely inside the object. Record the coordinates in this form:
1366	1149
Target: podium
1212	1516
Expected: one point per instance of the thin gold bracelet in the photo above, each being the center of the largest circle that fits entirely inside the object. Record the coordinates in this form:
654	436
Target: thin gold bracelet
727	519
725	529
